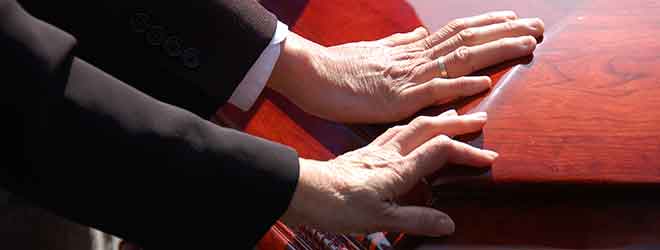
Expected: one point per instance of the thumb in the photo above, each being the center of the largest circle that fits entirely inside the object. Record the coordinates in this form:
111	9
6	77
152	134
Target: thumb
419	221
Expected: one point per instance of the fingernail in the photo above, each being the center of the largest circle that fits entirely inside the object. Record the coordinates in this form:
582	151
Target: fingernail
482	116
531	22
490	81
535	23
447	226
451	112
452	227
529	43
492	154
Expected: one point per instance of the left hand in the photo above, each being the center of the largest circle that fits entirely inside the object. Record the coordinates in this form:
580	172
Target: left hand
361	191
392	78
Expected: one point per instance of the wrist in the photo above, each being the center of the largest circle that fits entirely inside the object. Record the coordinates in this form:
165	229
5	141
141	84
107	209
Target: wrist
313	194
298	63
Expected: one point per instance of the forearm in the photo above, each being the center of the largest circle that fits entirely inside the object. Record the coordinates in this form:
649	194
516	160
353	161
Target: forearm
154	162
144	162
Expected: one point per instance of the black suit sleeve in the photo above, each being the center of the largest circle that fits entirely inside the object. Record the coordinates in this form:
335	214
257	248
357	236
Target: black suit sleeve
103	154
191	54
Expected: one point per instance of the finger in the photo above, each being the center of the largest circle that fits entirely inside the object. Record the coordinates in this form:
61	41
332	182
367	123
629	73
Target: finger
449	113
484	34
405	38
419	221
457	25
435	153
387	136
466	60
424	128
439	90
393	131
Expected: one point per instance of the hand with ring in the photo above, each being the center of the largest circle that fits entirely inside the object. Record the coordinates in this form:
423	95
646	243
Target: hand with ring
392	78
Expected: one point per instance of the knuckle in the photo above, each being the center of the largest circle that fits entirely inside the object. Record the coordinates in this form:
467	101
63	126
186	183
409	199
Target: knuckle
528	42
398	176
409	54
431	90
510	26
494	17
427	43
443	139
467	36
393	146
462	85
443	142
388	68
462	55
504	16
415	71
509	15
521	44
395	129
506	43
421	121
457	25
424	31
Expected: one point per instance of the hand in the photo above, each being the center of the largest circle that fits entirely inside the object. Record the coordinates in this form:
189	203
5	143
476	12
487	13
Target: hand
357	192
392	78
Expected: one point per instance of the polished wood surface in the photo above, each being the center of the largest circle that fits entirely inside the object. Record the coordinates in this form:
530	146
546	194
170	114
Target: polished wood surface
578	133
275	118
585	110
577	126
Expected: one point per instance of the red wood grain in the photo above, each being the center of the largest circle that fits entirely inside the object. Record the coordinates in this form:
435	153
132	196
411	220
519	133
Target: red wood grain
274	118
504	221
585	110
577	132
577	126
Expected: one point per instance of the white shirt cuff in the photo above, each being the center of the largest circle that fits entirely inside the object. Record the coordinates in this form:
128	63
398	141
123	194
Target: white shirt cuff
255	80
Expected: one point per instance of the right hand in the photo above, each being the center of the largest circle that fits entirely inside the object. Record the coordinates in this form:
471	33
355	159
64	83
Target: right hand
358	192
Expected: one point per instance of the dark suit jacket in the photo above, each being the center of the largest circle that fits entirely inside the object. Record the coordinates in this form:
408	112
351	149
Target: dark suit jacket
190	54
85	132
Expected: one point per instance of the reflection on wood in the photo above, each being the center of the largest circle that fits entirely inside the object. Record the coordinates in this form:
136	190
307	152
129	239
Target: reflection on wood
577	126
586	109
274	118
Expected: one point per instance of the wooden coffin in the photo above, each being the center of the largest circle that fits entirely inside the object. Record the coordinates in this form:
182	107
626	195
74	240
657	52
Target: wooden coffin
577	126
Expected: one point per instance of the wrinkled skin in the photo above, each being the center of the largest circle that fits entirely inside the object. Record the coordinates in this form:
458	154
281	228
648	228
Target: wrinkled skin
392	78
358	192
388	80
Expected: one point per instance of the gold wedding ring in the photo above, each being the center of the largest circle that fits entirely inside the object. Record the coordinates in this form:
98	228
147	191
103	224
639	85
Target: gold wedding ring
442	67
